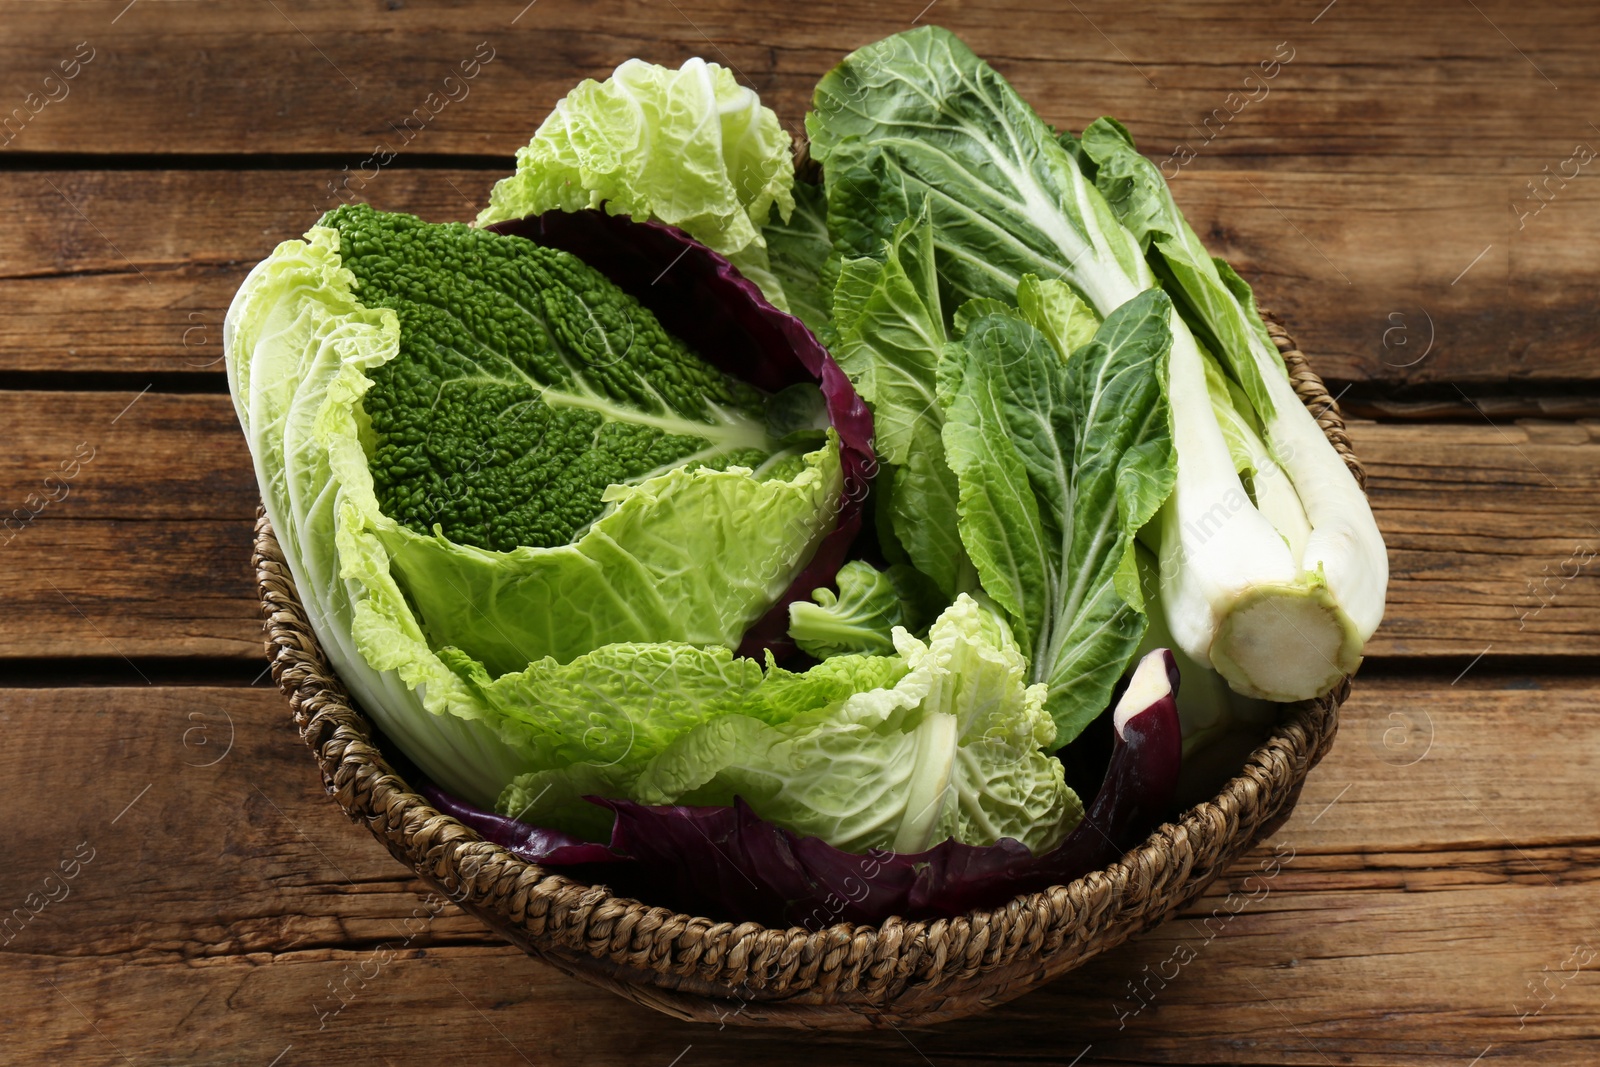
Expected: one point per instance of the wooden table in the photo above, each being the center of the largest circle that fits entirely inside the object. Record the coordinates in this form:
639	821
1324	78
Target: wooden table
1412	190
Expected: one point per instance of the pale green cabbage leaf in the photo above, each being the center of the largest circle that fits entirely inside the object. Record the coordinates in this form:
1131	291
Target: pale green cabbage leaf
689	147
954	746
301	348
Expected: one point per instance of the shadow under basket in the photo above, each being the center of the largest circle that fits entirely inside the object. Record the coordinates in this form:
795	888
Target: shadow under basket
842	977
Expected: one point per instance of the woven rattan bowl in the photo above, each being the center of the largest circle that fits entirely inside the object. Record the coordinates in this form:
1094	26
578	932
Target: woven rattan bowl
840	978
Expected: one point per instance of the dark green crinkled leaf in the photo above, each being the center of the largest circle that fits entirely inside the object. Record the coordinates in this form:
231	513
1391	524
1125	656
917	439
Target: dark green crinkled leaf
526	384
1059	464
798	252
890	331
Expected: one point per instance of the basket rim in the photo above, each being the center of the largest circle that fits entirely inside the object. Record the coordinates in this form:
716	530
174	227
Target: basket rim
914	970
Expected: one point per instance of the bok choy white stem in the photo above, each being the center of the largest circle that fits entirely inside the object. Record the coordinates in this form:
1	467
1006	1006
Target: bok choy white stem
1282	643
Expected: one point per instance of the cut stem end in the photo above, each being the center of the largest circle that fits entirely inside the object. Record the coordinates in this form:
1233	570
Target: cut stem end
1286	643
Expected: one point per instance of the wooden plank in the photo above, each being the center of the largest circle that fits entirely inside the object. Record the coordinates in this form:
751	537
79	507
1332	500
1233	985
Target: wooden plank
127	527
233	848
95	281
1493	531
1394	279
1493	536
1411	279
1502	408
1362	84
130	589
1273	1002
127	456
1420	887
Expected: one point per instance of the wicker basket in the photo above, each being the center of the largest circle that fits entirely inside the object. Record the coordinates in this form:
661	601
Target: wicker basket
840	978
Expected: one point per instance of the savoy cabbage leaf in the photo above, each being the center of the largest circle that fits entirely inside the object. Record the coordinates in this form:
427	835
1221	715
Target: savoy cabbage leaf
862	615
525	385
554	462
423	630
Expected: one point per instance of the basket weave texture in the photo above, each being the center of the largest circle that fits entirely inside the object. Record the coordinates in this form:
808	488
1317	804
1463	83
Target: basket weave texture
840	977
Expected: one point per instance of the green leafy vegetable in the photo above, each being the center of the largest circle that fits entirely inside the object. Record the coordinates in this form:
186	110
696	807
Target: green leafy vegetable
1060	463
1298	640
1052	308
916	119
1001	522
890	333
530	526
566	451
526	385
916	122
953	748
861	617
1137	194
454	648
1265	481
798	248
689	147
299	346
944	739
608	715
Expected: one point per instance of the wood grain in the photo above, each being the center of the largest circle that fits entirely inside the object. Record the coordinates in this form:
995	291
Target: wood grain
1380	196
1392	280
126	527
1493	534
1493	531
1365	86
129	590
234	887
132	271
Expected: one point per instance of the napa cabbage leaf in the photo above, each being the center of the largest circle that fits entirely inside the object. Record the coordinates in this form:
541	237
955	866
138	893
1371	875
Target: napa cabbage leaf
689	147
955	746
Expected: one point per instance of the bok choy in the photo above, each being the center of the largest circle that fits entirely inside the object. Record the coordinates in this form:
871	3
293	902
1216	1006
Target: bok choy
918	125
